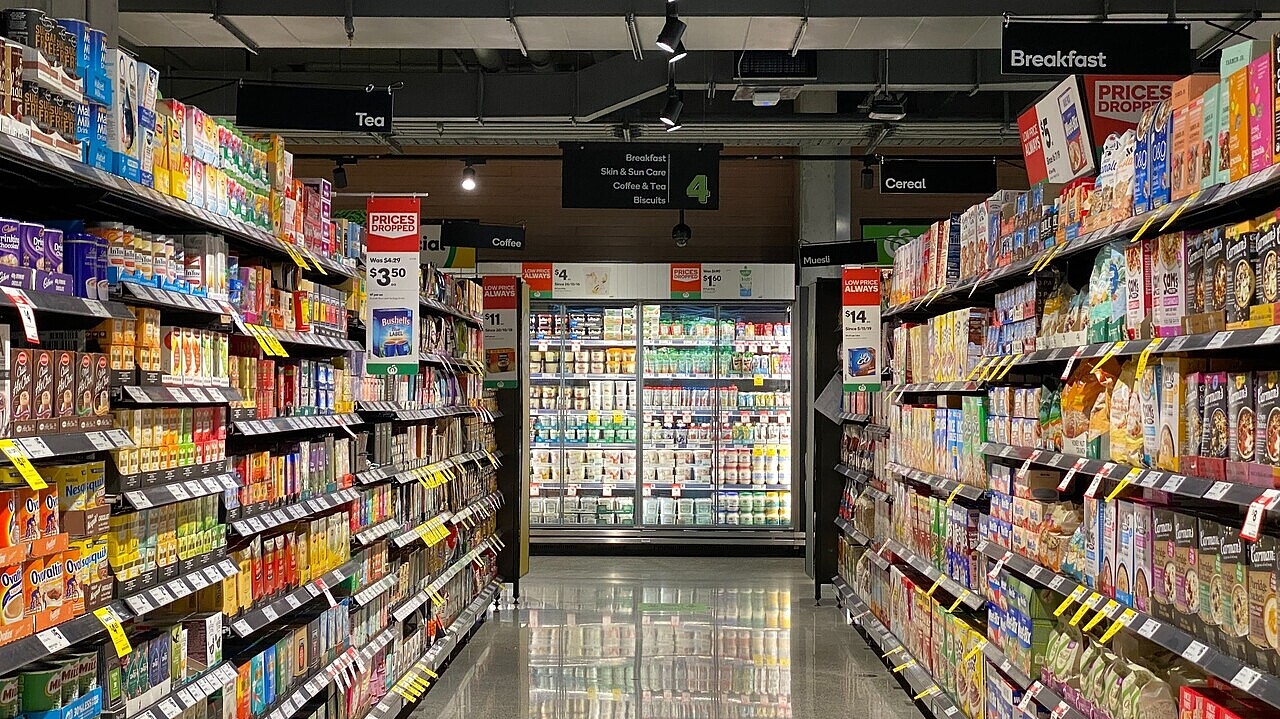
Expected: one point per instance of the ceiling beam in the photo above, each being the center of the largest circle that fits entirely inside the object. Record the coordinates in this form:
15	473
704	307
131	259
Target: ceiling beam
705	8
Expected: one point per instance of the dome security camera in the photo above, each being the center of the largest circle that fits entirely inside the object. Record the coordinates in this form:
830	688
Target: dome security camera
681	233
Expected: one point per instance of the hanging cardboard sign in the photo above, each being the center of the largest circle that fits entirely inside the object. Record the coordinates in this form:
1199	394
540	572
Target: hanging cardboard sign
392	285
501	333
860	312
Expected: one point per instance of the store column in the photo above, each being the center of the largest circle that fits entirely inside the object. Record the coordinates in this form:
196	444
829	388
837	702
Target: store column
825	199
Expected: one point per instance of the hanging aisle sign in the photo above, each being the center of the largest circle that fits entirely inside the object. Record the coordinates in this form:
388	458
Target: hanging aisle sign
1055	136
1068	48
860	309
392	277
501	316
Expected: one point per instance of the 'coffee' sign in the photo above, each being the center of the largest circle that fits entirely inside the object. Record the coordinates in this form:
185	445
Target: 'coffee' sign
1095	48
921	177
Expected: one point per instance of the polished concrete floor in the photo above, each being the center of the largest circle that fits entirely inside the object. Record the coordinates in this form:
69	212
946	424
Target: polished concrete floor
666	638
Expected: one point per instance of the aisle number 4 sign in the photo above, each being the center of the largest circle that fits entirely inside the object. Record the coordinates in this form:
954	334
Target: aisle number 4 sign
860	313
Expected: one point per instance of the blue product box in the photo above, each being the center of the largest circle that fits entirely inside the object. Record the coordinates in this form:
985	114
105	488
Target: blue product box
98	149
126	167
1142	162
88	705
257	689
97	84
1161	131
84	44
392	332
269	675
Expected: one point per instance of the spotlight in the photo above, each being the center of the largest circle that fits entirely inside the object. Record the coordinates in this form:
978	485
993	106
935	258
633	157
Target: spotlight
672	31
887	107
674	127
681	233
671	111
868	177
468	178
678	55
339	176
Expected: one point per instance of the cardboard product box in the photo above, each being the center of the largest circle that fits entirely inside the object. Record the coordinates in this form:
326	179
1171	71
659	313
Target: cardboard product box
1241	259
1168	285
1159	168
1216	269
1238	124
148	88
1094	543
125	135
1186	580
1238	56
64	390
1209	155
42	391
1267	418
1231	586
1207	563
1261	114
1143	556
1197	159
1222	147
1124	551
1214	423
1173	422
1264	643
1242	432
1139	257
1194	285
1142	161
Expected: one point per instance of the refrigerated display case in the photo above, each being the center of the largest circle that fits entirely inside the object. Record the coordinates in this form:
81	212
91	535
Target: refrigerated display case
711	387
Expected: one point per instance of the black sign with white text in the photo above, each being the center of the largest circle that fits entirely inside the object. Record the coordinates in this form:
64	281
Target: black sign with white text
640	176
931	177
827	254
1095	48
301	107
464	233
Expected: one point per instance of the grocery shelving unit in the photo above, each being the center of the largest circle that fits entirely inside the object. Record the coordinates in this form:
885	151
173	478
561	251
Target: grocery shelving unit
456	596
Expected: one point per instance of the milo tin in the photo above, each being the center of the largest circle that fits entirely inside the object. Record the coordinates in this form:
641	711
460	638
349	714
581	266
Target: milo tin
42	688
10	696
87	678
70	679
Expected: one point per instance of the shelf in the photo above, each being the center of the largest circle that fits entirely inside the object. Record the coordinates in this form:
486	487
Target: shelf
856	475
939	388
1207	658
377	531
191	694
417	415
940	485
572	445
261	616
367	594
720	378
1207	207
304	692
453	363
257	427
969	597
247	527
576	377
114	196
1043	696
181	490
320	339
435	306
740	344
391	705
166	593
894	652
35	647
64	304
847	527
409	475
568	342
479	509
416	532
61	445
410	605
1158	479
176	394
134	293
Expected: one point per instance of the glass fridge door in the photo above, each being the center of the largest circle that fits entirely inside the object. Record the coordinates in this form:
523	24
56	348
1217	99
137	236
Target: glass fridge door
754	425
678	399
585	414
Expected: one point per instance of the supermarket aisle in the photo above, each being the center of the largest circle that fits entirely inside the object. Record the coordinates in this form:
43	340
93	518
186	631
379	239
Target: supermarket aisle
655	638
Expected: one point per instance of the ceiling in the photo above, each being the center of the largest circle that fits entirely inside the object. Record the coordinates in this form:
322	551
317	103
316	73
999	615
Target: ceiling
541	71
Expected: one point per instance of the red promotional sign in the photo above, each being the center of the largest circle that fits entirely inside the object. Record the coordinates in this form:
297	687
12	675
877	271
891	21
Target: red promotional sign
1117	101
538	276
686	281
1032	147
393	224
499	292
1055	136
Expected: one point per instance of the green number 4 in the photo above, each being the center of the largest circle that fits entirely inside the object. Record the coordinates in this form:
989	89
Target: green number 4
698	189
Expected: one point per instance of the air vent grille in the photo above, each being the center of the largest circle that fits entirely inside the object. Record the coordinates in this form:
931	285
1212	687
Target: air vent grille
777	65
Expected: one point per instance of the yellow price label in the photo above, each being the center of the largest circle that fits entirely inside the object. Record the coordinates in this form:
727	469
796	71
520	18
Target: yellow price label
20	461
257	333
957	602
275	343
430	673
930	691
315	261
895	650
994	370
107	615
904	666
618	418
977	369
402	692
977	649
1126	617
1145	356
296	256
1124	482
758	380
951	498
1073	597
1013	360
936	583
1075	618
1108	607
1143	230
1111	352
1185	204
593	417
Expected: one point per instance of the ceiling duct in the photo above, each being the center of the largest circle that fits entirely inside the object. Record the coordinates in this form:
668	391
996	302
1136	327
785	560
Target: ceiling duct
763	66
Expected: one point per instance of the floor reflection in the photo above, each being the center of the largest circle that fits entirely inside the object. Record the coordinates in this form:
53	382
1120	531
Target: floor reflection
647	638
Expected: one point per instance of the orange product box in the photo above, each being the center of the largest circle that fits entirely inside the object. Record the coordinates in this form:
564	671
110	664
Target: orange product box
1238	123
1184	175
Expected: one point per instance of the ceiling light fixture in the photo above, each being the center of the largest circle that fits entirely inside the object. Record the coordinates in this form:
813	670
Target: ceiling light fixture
672	30
468	177
637	51
339	175
671	111
868	175
678	55
887	107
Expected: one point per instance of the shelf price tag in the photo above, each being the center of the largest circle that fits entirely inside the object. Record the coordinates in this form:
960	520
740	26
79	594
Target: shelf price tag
1126	618
1088	604
1071	363
1145	356
1124	482
1075	596
26	311
928	692
1151	218
1181	208
977	368
20	461
936	583
107	615
258	333
1257	511
1106	609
